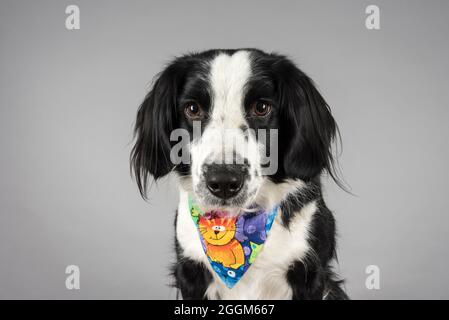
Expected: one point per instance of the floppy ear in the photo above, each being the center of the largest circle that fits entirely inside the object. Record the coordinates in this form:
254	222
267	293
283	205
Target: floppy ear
310	126
155	118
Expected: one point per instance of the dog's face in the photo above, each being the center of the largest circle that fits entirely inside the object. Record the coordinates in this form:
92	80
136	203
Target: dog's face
252	120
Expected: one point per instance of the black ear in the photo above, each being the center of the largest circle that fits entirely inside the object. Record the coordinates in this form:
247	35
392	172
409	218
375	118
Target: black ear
155	120
310	127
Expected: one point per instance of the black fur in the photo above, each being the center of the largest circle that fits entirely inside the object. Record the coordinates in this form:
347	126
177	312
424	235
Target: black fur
313	277
306	132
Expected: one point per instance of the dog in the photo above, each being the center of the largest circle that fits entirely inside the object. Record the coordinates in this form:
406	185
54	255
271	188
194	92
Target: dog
245	90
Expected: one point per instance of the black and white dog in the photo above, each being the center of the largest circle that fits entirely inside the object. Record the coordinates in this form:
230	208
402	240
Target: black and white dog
245	90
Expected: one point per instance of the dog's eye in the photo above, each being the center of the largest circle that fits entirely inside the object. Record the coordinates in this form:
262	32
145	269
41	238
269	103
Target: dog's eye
260	108
193	110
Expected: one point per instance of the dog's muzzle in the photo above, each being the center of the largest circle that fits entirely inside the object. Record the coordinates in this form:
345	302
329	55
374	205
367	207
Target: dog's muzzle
225	181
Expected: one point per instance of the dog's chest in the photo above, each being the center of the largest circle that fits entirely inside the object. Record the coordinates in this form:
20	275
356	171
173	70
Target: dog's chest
266	277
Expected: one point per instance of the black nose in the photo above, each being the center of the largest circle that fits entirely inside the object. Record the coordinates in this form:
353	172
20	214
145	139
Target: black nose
225	181
216	231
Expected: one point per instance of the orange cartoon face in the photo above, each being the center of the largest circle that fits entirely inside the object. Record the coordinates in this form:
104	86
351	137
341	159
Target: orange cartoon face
217	231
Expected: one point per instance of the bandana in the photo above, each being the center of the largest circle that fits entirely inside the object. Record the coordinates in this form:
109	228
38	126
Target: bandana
231	244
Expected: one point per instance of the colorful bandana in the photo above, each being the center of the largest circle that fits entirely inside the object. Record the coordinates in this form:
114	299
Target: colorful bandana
232	243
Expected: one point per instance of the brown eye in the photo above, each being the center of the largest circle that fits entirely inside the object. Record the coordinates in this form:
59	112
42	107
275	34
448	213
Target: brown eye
261	108
193	110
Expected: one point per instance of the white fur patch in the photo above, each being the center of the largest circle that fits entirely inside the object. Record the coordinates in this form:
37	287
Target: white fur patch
271	194
187	233
228	76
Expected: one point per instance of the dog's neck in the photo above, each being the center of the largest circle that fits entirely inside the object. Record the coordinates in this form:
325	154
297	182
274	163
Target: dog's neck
291	195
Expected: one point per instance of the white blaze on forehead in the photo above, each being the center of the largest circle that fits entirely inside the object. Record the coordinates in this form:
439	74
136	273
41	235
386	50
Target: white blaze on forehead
228	76
223	141
222	137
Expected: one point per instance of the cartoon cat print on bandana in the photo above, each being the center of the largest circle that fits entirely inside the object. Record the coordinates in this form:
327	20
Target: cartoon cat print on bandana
232	244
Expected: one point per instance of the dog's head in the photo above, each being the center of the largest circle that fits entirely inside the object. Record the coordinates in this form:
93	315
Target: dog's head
234	125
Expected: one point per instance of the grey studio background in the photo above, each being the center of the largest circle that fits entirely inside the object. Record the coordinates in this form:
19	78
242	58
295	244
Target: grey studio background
68	100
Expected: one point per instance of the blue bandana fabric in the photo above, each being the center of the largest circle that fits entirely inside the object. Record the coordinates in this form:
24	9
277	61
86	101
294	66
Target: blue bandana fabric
230	243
